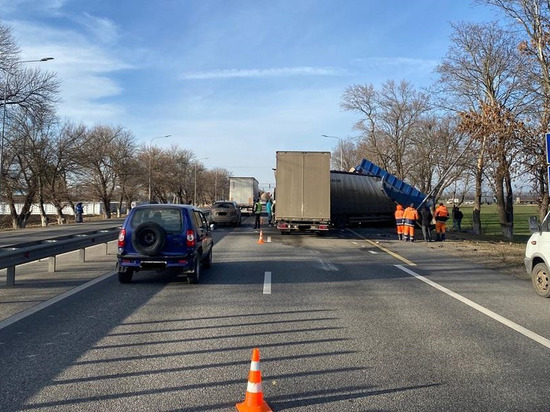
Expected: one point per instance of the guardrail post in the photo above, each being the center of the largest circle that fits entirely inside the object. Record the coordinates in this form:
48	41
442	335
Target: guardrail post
10	276
51	264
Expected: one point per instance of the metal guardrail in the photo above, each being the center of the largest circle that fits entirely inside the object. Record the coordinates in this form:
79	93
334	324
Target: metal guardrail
15	255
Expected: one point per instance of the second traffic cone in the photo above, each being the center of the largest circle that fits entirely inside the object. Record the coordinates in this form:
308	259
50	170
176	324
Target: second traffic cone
254	398
261	239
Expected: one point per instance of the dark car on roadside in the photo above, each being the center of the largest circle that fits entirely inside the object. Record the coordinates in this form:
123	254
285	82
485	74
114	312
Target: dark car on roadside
225	212
164	236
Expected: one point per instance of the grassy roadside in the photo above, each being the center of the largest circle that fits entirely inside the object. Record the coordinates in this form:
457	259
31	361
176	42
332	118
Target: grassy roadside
490	225
489	249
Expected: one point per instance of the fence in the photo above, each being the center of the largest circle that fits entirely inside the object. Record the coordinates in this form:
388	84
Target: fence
90	208
10	257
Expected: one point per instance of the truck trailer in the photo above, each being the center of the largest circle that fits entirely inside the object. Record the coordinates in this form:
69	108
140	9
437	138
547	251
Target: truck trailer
243	191
357	199
302	196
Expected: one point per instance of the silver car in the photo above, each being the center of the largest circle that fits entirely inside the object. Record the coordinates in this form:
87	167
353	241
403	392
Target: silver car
225	213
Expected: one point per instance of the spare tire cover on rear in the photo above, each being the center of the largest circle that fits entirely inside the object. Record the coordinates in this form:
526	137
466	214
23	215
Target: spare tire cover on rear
149	238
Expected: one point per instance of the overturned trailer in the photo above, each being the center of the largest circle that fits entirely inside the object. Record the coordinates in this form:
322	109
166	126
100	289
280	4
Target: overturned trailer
357	199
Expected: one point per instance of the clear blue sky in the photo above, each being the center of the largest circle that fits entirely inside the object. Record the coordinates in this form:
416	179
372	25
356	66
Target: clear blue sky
232	80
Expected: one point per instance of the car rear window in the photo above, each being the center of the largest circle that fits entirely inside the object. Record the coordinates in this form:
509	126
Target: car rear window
170	219
224	205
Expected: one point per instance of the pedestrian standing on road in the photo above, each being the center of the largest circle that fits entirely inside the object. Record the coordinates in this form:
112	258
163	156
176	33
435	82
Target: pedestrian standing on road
257	213
441	216
410	216
457	219
426	222
78	212
399	221
268	209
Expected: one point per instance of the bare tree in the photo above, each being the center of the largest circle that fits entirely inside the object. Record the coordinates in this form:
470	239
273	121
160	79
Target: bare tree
483	76
390	117
104	150
62	167
25	93
533	19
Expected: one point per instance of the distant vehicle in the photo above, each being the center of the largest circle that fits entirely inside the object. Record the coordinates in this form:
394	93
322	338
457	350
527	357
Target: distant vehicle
225	213
453	201
537	255
302	196
162	236
243	191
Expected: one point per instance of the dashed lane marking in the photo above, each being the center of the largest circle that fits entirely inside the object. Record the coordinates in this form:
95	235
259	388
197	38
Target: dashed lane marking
267	283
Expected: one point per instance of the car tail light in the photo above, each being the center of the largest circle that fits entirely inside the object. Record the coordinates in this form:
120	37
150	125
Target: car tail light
323	227
190	238
122	238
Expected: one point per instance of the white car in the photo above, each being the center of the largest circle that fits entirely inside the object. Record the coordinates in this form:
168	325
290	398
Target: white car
537	255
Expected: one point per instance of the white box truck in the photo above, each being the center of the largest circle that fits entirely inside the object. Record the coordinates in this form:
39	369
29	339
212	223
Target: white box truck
302	191
244	190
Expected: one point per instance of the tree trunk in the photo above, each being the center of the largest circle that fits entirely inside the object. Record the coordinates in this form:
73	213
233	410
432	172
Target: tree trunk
43	215
107	208
61	220
476	214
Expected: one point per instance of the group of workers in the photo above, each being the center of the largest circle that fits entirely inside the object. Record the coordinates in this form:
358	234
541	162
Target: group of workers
405	221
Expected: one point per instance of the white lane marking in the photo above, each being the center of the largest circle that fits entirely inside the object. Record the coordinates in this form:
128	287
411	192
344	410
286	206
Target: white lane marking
507	322
373	252
328	266
389	252
267	283
21	315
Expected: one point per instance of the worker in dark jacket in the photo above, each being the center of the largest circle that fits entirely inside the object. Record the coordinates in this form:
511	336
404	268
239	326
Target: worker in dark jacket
426	222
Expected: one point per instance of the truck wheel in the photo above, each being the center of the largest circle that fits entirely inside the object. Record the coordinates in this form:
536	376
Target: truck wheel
194	277
125	277
540	279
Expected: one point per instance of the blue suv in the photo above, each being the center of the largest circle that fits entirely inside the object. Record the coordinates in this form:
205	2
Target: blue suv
163	236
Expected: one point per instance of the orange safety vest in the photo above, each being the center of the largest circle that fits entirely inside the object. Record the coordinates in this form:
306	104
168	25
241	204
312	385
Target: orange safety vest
441	214
399	215
410	216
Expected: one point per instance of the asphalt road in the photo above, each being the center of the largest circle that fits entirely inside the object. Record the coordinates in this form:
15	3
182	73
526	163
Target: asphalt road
353	321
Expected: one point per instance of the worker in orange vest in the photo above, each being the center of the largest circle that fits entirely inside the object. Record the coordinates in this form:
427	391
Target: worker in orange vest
441	216
399	221
410	216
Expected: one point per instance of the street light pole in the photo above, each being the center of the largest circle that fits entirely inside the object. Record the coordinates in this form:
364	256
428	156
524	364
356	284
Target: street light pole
195	194
5	104
150	161
341	148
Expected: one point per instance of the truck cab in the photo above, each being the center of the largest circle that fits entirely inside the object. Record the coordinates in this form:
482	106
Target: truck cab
537	255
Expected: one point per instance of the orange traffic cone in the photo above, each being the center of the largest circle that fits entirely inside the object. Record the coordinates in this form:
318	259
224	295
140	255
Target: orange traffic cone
261	239
254	398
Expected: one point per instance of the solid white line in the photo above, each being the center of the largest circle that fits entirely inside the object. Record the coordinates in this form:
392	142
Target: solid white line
507	322
267	283
21	315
